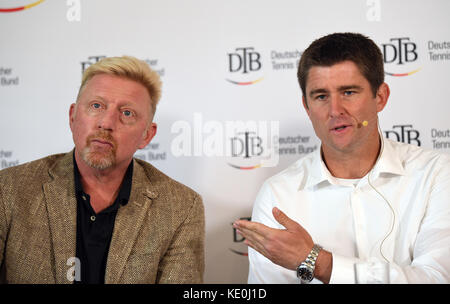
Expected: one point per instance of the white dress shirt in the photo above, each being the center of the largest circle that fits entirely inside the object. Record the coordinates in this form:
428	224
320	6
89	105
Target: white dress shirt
350	219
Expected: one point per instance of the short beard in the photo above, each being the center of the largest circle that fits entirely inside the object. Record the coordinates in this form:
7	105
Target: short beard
99	160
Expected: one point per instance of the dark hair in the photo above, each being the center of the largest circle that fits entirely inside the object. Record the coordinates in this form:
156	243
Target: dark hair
338	47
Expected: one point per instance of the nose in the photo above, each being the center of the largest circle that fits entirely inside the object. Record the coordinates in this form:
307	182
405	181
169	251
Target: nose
336	106
108	120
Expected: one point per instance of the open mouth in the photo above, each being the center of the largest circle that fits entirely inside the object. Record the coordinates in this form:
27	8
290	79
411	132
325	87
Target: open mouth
340	128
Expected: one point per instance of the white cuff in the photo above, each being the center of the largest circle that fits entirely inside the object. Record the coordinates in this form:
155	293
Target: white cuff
343	270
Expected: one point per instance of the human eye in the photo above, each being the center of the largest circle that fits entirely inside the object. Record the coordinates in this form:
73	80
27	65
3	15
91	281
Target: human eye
95	106
128	115
349	93
320	97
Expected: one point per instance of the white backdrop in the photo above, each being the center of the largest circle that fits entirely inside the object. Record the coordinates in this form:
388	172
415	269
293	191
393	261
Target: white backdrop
198	48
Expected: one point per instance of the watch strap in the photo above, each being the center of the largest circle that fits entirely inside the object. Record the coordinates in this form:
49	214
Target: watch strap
312	256
310	264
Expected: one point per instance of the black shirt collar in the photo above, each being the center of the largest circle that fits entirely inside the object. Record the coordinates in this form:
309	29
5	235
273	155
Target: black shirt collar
125	188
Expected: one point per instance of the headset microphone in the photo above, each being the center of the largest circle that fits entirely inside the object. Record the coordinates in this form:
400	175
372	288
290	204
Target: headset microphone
365	123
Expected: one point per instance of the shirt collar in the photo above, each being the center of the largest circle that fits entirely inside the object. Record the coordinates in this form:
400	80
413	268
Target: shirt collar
388	162
125	188
319	172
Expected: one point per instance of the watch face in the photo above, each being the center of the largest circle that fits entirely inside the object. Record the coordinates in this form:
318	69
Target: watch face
305	273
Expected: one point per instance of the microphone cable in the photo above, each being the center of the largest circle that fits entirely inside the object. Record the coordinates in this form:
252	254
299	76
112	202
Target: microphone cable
384	198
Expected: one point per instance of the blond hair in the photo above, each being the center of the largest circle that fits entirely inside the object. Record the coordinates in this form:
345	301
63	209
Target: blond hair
127	67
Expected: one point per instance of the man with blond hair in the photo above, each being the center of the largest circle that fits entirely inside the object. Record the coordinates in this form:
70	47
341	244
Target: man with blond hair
96	214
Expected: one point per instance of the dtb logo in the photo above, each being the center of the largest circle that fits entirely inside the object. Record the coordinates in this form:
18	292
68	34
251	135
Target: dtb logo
238	239
20	7
244	61
400	52
91	60
402	134
246	145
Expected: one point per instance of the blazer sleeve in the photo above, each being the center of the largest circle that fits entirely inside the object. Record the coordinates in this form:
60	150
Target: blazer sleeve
3	228
184	261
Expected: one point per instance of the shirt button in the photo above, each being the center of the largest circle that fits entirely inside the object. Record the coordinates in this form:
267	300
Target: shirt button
84	197
93	218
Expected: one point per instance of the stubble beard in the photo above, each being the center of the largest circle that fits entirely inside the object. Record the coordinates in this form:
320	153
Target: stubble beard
99	159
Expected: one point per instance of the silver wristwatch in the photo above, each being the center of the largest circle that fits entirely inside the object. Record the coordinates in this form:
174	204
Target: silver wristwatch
305	271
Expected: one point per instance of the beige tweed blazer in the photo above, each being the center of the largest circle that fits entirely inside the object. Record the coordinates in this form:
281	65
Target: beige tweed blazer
158	236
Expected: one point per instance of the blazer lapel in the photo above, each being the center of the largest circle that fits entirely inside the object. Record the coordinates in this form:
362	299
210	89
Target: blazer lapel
62	211
128	223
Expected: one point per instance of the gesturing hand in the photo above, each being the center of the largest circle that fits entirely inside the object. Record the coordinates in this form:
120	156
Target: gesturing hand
285	247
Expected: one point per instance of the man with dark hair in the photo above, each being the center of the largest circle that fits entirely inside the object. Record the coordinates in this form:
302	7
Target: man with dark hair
340	47
362	197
